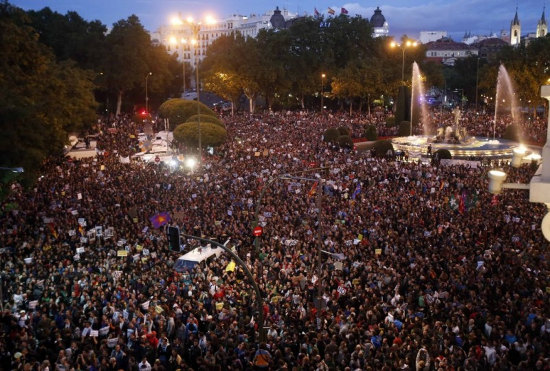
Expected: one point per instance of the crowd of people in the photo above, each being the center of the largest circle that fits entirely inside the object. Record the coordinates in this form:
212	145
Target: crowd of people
421	268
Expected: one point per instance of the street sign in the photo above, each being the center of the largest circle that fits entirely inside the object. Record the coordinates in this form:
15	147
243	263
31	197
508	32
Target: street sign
258	231
157	159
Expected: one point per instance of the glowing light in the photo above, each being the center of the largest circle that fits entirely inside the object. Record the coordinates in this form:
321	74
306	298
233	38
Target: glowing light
393	44
190	162
173	40
176	21
190	19
210	20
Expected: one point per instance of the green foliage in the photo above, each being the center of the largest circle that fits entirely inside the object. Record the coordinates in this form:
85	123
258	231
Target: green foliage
331	135
381	147
442	154
371	133
345	141
403	105
178	111
512	132
390	121
211	134
206	118
404	128
41	101
343	130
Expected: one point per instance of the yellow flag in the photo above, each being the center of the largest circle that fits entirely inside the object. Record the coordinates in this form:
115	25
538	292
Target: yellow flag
230	267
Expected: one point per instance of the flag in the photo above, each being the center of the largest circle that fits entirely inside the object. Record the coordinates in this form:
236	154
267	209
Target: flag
462	203
357	191
53	231
331	11
230	267
160	219
494	200
344	11
80	230
453	204
313	189
316	12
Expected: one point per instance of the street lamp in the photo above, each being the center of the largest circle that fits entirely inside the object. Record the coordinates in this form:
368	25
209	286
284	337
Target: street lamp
175	43
146	93
195	29
322	89
407	44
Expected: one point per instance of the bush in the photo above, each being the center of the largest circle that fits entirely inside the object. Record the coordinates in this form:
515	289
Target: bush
206	118
211	134
511	133
344	131
442	154
345	141
331	135
381	147
179	110
404	128
370	132
390	121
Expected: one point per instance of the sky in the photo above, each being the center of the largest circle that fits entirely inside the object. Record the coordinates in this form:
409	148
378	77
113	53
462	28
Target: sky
480	17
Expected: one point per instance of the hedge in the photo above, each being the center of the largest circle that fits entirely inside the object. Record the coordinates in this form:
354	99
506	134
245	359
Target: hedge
179	110
345	141
381	147
206	118
371	133
331	135
212	135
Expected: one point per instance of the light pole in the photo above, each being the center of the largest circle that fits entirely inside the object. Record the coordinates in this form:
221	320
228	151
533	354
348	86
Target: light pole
195	28
322	90
477	79
407	44
176	44
196	51
146	93
250	276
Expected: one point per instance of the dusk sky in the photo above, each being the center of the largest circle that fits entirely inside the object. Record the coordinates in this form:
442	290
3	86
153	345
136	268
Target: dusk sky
404	16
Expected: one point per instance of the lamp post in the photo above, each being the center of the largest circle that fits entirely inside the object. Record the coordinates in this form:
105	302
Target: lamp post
146	93
405	45
477	79
322	90
176	44
195	28
250	276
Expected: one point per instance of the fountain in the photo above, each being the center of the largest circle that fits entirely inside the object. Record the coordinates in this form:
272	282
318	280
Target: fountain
454	137
505	99
418	103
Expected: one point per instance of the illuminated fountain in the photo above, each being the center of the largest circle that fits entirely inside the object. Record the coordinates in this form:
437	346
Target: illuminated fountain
454	137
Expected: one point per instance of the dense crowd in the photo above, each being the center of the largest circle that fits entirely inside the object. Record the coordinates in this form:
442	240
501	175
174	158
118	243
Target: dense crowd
421	269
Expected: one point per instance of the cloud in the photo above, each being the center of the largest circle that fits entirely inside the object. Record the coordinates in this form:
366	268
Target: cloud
453	16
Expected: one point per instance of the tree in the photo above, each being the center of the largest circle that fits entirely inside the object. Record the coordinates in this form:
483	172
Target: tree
40	101
71	37
178	111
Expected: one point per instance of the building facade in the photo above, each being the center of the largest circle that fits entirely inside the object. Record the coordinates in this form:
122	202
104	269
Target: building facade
448	51
379	24
179	38
429	36
515	31
542	26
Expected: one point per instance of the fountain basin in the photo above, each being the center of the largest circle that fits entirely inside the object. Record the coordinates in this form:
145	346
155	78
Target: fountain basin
417	146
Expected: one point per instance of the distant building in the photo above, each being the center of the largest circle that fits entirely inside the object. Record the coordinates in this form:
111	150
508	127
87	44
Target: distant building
470	39
542	27
379	24
489	48
515	31
448	51
429	36
177	37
